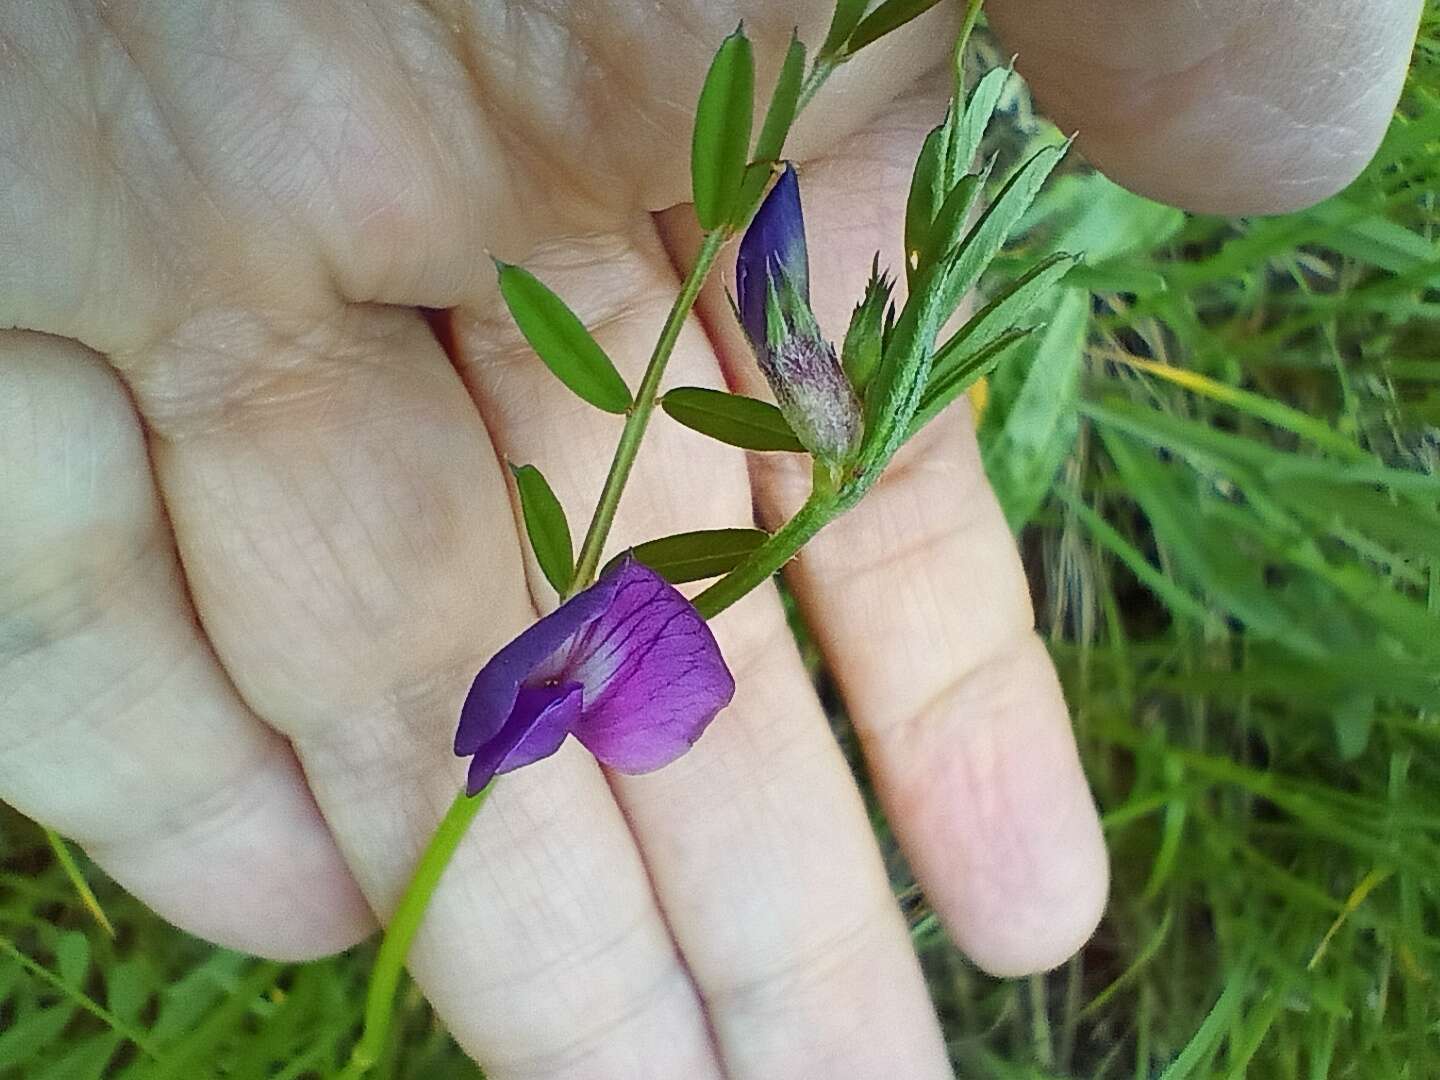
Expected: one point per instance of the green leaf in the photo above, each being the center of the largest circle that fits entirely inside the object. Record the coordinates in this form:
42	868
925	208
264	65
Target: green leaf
1119	277
951	220
1205	550
722	131
926	194
26	1038
842	24
1091	214
694	556
72	958
970	130
1004	311
865	337
1209	446
1408	526
784	103
961	373
975	252
561	340
128	987
546	526
731	418
1026	438
1353	717
945	159
889	16
86	1061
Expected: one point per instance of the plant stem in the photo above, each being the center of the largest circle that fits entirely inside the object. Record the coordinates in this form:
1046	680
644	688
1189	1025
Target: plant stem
385	976
818	511
639	418
972	14
821	70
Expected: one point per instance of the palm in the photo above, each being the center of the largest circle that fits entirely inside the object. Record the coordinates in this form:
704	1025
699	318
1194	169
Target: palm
240	209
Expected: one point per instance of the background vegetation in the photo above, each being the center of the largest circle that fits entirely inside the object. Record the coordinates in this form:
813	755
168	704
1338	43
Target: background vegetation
1221	458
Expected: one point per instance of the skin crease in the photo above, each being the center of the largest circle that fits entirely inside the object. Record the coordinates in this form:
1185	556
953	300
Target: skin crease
258	538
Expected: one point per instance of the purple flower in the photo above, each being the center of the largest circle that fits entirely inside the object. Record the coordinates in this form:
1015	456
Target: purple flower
772	280
628	667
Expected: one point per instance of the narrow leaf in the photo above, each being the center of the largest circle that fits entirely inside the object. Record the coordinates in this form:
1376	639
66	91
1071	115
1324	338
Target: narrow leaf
847	16
694	556
962	372
561	340
72	958
952	219
731	418
25	1039
1026	436
923	201
722	131
784	103
947	155
889	16
979	109
975	252
546	526
1005	310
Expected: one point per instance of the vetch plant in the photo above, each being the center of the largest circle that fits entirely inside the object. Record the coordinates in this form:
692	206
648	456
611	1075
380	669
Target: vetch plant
627	664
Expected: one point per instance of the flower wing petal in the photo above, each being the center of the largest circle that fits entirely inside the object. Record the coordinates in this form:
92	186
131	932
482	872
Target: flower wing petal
653	674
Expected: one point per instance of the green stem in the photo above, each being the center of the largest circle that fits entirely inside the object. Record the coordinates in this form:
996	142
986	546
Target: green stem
639	418
821	70
972	14
819	510
385	976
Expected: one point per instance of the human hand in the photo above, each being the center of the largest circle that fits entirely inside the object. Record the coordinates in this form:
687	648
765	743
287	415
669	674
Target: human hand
223	217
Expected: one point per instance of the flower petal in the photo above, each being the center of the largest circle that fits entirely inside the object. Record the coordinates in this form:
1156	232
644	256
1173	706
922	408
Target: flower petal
653	674
538	724
491	699
774	244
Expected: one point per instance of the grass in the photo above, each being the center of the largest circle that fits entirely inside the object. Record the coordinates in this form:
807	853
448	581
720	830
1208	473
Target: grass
1222	462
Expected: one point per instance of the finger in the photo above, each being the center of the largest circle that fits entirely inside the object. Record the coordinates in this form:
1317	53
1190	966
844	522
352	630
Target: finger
756	841
1230	107
918	599
117	725
347	537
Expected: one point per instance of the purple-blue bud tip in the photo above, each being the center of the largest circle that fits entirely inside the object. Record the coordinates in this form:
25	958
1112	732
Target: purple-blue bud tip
773	245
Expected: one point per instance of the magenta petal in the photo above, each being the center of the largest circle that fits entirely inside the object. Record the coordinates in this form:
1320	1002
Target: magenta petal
652	672
492	695
541	719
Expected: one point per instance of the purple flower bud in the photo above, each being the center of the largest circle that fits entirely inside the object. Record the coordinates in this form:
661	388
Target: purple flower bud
772	280
628	667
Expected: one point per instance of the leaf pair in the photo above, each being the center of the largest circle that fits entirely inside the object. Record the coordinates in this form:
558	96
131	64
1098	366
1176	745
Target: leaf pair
683	557
726	179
